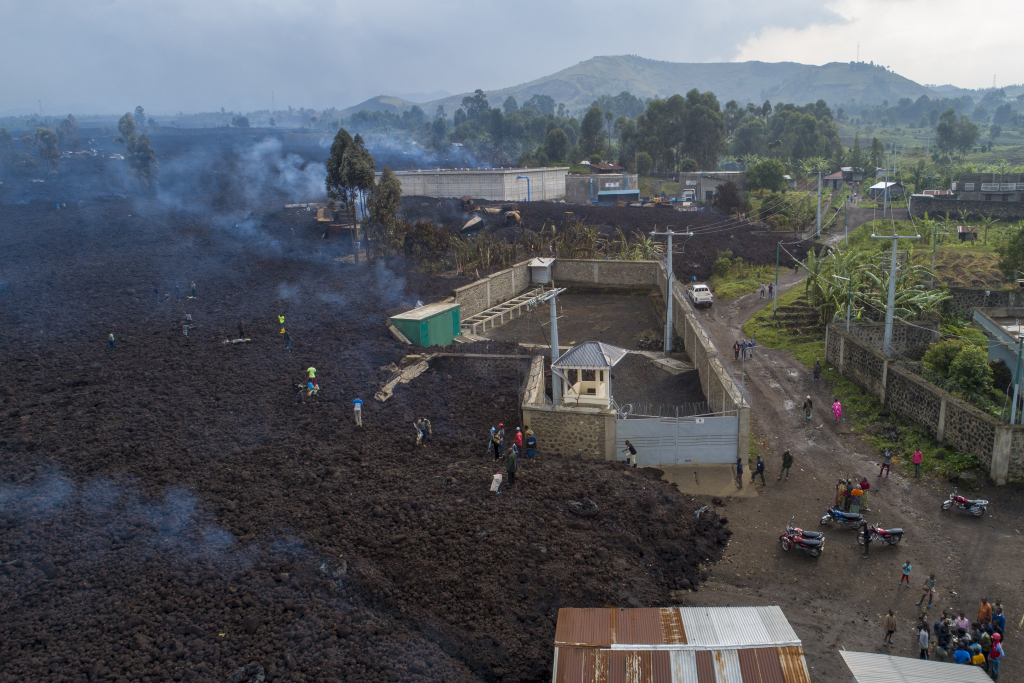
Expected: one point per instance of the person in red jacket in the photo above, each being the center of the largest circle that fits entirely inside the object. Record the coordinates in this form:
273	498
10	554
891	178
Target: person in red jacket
918	457
518	442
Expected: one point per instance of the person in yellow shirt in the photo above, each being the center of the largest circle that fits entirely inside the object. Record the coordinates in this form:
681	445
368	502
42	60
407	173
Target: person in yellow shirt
280	319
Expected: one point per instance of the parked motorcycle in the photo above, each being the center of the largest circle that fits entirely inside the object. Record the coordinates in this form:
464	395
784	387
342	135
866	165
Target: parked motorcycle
846	520
811	542
975	507
878	534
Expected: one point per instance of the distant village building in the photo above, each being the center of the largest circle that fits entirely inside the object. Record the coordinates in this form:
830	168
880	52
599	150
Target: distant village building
605	184
833	181
703	184
879	189
852	174
989	187
498	184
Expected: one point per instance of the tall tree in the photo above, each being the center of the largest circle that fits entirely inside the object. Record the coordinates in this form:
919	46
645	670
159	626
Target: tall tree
476	105
384	207
857	156
140	117
704	137
590	132
877	152
67	133
556	145
767	174
350	171
139	154
46	141
510	106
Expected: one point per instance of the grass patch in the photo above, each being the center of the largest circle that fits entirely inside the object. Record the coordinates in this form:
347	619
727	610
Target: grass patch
792	329
649	187
742	279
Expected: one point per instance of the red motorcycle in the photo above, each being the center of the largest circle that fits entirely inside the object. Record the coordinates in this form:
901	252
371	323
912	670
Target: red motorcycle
878	534
811	542
975	507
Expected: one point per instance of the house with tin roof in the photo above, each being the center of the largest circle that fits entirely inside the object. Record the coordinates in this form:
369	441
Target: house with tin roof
677	645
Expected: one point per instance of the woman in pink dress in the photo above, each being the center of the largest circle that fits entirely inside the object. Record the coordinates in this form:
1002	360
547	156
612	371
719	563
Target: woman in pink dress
837	410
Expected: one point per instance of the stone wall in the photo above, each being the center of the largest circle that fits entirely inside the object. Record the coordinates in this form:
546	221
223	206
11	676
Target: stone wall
910	341
966	300
605	273
563	431
936	207
493	290
999	447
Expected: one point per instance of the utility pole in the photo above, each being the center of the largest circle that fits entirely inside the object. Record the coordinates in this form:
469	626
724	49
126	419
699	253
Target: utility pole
849	297
935	242
819	203
556	381
775	294
889	309
885	190
846	222
670	277
1016	378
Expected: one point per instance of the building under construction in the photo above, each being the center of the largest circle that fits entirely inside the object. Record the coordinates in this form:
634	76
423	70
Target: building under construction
498	184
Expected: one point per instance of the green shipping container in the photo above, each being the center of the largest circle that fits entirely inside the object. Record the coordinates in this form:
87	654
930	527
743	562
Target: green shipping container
430	325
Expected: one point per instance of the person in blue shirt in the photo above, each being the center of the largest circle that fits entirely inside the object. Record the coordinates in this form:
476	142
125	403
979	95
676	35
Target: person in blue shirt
998	620
531	444
962	656
357	408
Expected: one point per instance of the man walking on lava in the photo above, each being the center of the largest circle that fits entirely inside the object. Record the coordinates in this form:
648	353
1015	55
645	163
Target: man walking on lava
422	429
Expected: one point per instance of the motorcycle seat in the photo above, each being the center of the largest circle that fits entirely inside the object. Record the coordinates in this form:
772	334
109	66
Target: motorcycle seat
851	515
812	534
977	502
894	532
811	541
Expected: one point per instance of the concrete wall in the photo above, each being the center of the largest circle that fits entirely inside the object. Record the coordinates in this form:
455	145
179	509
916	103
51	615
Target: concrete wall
605	273
998	447
563	431
493	290
936	207
578	187
500	184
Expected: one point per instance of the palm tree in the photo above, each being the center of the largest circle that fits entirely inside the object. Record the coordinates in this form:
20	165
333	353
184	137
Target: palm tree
986	222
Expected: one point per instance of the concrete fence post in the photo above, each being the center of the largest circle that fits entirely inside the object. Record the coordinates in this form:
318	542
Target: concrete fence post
1001	454
842	352
940	428
885	377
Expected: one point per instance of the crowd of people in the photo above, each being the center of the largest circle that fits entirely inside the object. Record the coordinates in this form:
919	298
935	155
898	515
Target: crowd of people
954	638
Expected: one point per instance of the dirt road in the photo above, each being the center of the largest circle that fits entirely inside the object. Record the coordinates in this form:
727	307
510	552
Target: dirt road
838	600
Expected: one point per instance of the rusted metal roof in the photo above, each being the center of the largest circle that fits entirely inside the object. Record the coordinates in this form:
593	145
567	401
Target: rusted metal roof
677	645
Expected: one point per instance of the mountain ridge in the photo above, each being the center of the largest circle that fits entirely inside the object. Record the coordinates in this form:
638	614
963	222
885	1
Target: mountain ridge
579	85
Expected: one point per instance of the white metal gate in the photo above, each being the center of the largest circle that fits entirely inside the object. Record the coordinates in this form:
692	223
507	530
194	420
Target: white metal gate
679	441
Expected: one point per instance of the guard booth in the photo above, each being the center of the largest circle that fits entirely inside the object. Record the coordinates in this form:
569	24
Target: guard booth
586	372
431	325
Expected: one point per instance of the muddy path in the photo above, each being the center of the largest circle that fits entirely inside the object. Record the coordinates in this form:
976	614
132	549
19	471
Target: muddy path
838	600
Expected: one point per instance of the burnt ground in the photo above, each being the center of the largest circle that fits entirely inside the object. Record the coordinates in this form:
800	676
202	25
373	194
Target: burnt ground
168	511
621	317
839	600
618	317
713	232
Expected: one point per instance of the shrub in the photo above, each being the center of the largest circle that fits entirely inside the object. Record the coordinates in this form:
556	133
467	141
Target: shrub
940	356
721	267
971	371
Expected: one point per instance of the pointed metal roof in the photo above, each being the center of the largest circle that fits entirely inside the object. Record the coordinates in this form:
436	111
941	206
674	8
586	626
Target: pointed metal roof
591	355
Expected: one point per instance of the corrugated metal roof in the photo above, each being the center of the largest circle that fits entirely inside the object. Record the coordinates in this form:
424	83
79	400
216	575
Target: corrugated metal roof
868	667
591	355
716	665
426	311
677	645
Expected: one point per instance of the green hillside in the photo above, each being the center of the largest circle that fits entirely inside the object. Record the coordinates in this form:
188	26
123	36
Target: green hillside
579	85
838	83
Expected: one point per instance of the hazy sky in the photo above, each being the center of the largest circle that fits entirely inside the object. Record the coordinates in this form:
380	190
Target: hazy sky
106	56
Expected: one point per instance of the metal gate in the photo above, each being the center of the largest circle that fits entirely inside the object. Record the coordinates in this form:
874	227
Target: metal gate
679	441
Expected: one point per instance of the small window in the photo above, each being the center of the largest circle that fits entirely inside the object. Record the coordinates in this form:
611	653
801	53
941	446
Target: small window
968	187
